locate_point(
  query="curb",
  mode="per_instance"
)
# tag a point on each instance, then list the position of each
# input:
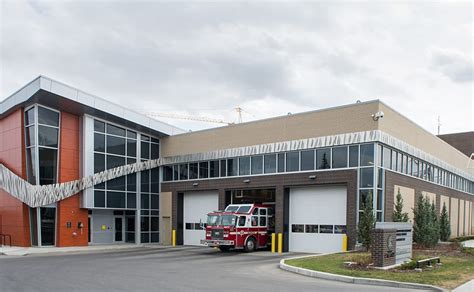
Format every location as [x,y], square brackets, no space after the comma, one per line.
[353,280]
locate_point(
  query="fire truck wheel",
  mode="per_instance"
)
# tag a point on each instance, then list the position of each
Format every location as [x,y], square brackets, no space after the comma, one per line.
[224,248]
[250,245]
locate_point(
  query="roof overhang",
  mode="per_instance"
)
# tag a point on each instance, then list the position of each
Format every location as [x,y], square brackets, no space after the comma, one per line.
[48,92]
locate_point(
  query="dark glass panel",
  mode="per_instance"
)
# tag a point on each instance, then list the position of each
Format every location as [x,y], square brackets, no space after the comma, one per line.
[354,156]
[394,161]
[257,164]
[31,165]
[379,200]
[145,138]
[145,150]
[100,186]
[154,140]
[183,171]
[99,126]
[145,224]
[364,196]
[281,162]
[326,228]
[155,202]
[48,226]
[131,160]
[48,136]
[155,151]
[387,157]
[223,170]
[292,161]
[366,177]
[340,229]
[297,228]
[232,167]
[30,136]
[367,155]
[176,172]
[154,236]
[145,237]
[117,184]
[380,178]
[270,163]
[323,158]
[131,134]
[145,201]
[311,228]
[155,224]
[99,162]
[339,157]
[114,130]
[244,165]
[204,169]
[132,182]
[145,181]
[193,171]
[115,145]
[48,162]
[131,200]
[115,200]
[307,160]
[114,161]
[99,142]
[48,117]
[99,199]
[214,168]
[155,180]
[131,148]
[167,173]
[30,117]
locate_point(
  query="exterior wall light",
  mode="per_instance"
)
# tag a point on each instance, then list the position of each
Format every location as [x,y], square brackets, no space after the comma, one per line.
[195,184]
[312,177]
[247,181]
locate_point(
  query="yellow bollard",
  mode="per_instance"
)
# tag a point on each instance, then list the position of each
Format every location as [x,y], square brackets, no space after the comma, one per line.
[344,242]
[280,242]
[273,242]
[173,238]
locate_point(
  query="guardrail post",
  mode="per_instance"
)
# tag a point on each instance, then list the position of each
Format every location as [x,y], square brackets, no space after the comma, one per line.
[344,242]
[273,242]
[280,242]
[173,238]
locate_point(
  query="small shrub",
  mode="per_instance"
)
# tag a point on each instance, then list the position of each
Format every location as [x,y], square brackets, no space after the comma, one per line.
[461,238]
[398,214]
[366,223]
[426,226]
[444,225]
[411,265]
[362,259]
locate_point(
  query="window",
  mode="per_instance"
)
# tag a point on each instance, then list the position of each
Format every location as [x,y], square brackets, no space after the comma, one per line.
[281,162]
[354,156]
[339,157]
[257,164]
[183,171]
[366,177]
[223,168]
[311,228]
[48,136]
[292,161]
[364,197]
[387,158]
[47,165]
[307,160]
[193,171]
[254,220]
[323,158]
[214,168]
[241,221]
[244,165]
[367,155]
[203,169]
[270,163]
[114,130]
[116,145]
[167,173]
[263,221]
[232,167]
[297,228]
[48,117]
[340,229]
[115,199]
[326,229]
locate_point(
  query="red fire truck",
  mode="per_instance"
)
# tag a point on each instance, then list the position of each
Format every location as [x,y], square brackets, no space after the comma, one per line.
[245,226]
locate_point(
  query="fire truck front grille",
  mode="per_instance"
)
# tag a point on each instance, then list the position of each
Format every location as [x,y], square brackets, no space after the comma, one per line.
[217,234]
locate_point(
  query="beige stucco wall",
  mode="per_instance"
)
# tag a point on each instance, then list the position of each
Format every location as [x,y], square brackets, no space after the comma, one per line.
[165,218]
[454,217]
[340,120]
[408,196]
[461,218]
[404,129]
[472,217]
[466,218]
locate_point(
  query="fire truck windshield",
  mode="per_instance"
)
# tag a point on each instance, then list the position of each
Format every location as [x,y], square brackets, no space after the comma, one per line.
[223,220]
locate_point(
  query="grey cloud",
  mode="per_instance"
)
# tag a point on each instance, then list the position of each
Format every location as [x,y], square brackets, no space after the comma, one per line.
[455,65]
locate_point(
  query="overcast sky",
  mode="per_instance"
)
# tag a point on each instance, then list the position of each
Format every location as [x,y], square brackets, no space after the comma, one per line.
[204,59]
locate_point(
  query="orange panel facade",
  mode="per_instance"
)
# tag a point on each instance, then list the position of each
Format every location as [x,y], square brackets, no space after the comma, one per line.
[14,215]
[69,213]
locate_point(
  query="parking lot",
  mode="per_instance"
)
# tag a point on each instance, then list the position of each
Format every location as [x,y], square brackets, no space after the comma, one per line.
[159,269]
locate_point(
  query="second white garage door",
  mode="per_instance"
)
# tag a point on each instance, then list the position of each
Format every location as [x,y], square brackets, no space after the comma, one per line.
[317,218]
[196,205]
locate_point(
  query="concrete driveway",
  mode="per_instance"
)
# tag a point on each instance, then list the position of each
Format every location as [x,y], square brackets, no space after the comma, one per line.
[160,269]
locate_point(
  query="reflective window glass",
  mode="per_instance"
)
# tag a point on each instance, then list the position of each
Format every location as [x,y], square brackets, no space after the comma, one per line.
[131,134]
[339,157]
[257,164]
[131,148]
[281,162]
[183,171]
[31,165]
[30,117]
[244,165]
[131,200]
[115,161]
[367,155]
[232,167]
[387,157]
[145,201]
[132,182]
[145,150]
[270,163]
[99,126]
[366,177]
[99,142]
[214,168]
[307,160]
[354,156]
[48,136]
[293,161]
[48,117]
[30,136]
[145,181]
[364,197]
[167,173]
[117,184]
[115,145]
[155,180]
[99,199]
[99,162]
[193,171]
[326,229]
[115,200]
[203,169]
[323,158]
[223,168]
[48,164]
[114,130]
[311,228]
[155,202]
[155,151]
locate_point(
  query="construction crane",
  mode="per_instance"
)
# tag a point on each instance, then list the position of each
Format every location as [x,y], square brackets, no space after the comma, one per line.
[186,117]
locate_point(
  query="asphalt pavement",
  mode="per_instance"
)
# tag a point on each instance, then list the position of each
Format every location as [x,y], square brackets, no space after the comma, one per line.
[160,269]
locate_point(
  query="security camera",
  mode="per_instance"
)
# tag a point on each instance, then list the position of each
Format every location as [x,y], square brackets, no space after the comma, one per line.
[378,115]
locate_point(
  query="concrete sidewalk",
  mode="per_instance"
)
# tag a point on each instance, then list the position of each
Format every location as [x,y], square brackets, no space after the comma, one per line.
[468,243]
[22,251]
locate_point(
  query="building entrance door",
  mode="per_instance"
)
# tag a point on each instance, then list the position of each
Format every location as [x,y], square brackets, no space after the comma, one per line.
[48,230]
[118,229]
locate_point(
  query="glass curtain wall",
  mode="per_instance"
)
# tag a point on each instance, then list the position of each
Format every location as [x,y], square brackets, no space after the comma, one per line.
[42,144]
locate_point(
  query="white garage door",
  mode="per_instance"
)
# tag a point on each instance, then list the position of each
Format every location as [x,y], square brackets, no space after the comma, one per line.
[317,218]
[196,205]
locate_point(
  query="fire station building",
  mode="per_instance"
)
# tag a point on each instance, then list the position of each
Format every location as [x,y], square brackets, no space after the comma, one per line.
[79,170]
